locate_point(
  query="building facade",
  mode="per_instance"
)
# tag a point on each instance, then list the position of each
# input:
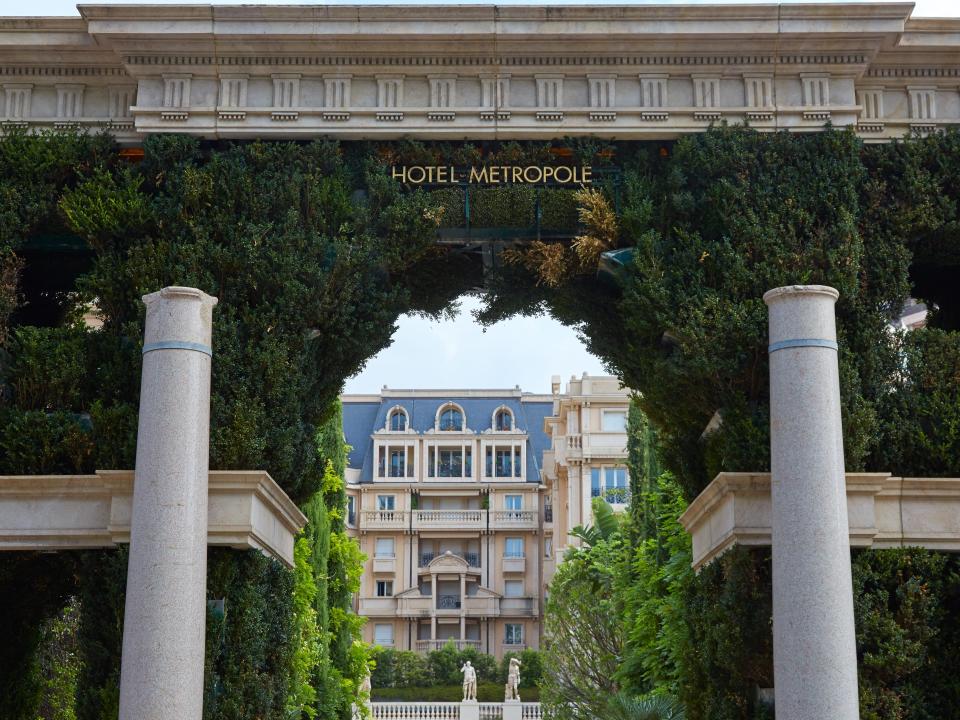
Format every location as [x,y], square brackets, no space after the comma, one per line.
[450,501]
[480,72]
[587,455]
[445,500]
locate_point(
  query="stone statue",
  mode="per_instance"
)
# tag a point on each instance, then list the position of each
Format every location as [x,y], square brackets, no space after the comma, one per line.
[513,681]
[469,681]
[365,685]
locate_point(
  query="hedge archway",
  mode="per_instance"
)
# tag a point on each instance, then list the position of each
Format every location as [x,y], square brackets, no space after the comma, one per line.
[314,251]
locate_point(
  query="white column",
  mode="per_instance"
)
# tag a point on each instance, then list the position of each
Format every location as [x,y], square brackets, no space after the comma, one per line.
[814,646]
[433,613]
[165,613]
[463,606]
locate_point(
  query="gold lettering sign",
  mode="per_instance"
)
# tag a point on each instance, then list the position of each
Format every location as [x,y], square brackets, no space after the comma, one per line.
[492,174]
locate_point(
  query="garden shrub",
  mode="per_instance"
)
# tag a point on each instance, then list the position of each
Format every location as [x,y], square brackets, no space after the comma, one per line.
[439,670]
[486,692]
[920,414]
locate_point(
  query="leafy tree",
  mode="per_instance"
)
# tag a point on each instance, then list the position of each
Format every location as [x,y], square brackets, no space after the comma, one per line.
[584,631]
[605,526]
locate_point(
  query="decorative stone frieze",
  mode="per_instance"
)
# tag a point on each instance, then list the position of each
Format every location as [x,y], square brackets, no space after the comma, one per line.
[476,71]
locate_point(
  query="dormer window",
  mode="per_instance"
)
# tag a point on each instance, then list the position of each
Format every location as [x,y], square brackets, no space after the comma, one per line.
[397,421]
[503,420]
[450,419]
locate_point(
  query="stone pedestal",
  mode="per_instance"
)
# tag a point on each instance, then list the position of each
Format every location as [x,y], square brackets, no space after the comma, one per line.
[512,710]
[469,710]
[165,613]
[814,649]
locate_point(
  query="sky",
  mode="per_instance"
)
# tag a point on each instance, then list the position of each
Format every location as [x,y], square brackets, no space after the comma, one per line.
[927,8]
[458,353]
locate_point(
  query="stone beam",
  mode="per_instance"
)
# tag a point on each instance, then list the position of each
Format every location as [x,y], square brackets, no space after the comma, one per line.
[882,511]
[246,509]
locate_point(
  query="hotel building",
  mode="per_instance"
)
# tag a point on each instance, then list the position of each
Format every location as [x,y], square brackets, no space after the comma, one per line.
[461,499]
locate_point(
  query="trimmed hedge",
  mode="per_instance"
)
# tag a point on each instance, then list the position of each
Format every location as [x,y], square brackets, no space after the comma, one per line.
[486,692]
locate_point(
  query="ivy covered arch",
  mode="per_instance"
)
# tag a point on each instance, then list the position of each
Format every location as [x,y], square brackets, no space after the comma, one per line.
[314,251]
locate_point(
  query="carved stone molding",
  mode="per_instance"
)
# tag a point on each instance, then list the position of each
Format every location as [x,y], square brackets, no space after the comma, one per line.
[631,72]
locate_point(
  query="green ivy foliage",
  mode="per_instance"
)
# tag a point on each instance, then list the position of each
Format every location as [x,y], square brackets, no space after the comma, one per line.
[310,276]
[314,251]
[920,414]
[706,637]
[906,604]
[250,649]
[34,588]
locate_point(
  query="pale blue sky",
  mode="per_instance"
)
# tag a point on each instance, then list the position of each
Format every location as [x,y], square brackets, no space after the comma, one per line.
[928,8]
[458,353]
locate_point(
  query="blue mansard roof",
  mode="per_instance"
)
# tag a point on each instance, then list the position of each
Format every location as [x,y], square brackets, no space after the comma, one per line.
[364,415]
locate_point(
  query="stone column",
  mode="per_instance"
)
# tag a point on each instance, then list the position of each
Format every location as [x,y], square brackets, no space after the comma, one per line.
[463,606]
[814,648]
[165,614]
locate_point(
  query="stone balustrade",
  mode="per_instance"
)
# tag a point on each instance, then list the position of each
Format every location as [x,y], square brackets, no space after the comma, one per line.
[453,711]
[415,711]
[384,519]
[449,519]
[514,519]
[428,645]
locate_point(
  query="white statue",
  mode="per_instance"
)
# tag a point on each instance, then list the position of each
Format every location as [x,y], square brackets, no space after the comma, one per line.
[469,681]
[513,681]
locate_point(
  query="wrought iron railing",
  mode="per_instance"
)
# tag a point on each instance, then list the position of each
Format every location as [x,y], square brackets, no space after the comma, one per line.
[448,602]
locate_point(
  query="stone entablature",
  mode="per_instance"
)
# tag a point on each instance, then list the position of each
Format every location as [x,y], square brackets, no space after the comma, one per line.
[480,71]
[246,509]
[883,512]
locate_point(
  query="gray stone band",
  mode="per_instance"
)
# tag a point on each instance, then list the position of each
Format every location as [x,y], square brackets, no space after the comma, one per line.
[177,345]
[801,342]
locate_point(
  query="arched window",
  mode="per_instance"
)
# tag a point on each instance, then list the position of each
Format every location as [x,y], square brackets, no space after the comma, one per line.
[398,420]
[503,420]
[450,419]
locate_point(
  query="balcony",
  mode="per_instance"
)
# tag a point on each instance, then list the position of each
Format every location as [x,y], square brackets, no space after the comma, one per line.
[519,606]
[606,445]
[514,520]
[384,564]
[472,558]
[449,519]
[428,645]
[411,603]
[482,605]
[514,564]
[448,602]
[384,519]
[377,606]
[613,495]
